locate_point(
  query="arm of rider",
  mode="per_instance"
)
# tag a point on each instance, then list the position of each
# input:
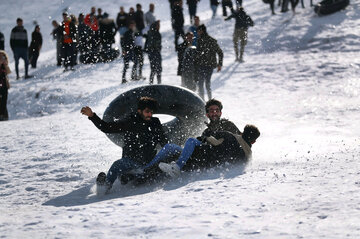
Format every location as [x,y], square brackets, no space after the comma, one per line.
[87,111]
[213,141]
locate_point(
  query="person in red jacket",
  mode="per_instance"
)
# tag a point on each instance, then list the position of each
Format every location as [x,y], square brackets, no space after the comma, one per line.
[92,21]
[68,39]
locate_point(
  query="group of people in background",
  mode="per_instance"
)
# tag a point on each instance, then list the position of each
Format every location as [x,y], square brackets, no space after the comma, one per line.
[88,38]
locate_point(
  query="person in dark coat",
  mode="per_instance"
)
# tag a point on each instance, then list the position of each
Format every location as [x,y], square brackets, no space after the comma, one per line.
[107,32]
[186,57]
[142,133]
[84,35]
[4,85]
[213,110]
[35,46]
[121,21]
[139,18]
[2,41]
[192,5]
[242,23]
[177,21]
[19,45]
[153,49]
[128,47]
[56,33]
[226,4]
[207,50]
[68,40]
[131,17]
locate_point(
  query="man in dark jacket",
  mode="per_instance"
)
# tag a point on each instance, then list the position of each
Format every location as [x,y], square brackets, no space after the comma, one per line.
[242,23]
[56,33]
[128,47]
[177,20]
[207,49]
[121,21]
[142,133]
[107,32]
[2,41]
[213,110]
[139,18]
[68,40]
[19,45]
[35,46]
[153,49]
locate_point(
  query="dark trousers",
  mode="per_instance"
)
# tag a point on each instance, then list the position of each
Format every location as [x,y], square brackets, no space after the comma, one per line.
[226,3]
[68,54]
[204,77]
[155,66]
[34,55]
[21,53]
[139,60]
[192,11]
[129,56]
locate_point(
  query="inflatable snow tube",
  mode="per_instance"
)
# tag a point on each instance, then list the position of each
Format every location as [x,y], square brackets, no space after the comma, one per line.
[183,104]
[330,6]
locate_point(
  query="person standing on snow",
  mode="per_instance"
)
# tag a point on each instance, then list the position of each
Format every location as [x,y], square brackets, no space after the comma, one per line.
[142,133]
[19,45]
[153,49]
[207,49]
[4,84]
[128,47]
[192,5]
[35,46]
[56,33]
[68,39]
[242,23]
[177,20]
[149,16]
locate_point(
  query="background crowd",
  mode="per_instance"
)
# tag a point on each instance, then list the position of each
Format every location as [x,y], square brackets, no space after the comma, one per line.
[88,38]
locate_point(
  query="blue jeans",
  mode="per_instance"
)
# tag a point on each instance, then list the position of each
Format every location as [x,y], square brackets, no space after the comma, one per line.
[120,167]
[21,52]
[170,150]
[204,76]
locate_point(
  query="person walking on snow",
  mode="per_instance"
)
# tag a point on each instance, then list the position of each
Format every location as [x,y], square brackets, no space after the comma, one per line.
[242,23]
[35,46]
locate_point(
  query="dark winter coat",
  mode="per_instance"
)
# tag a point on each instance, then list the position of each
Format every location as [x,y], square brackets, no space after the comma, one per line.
[139,20]
[84,32]
[121,20]
[188,63]
[181,50]
[153,40]
[207,155]
[2,41]
[36,42]
[140,136]
[18,38]
[130,17]
[128,41]
[207,48]
[177,17]
[242,19]
[221,125]
[107,30]
[214,2]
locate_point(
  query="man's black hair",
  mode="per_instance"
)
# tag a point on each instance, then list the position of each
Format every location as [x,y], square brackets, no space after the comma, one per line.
[213,102]
[251,133]
[19,20]
[148,102]
[202,27]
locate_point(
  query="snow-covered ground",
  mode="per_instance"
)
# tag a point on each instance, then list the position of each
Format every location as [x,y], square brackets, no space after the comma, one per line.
[299,84]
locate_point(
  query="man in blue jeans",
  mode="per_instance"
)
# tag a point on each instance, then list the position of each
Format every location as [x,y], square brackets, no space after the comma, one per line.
[142,132]
[19,45]
[213,110]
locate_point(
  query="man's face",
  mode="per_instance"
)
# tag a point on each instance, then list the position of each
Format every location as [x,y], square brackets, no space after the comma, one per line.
[214,113]
[189,38]
[146,113]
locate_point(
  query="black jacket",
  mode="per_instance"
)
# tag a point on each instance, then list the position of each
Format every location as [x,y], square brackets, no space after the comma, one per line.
[36,42]
[2,41]
[107,30]
[206,155]
[177,17]
[181,50]
[242,20]
[139,20]
[128,41]
[18,38]
[221,125]
[121,20]
[153,40]
[140,136]
[208,48]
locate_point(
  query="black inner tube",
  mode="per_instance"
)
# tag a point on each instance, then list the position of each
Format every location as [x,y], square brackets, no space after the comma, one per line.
[187,108]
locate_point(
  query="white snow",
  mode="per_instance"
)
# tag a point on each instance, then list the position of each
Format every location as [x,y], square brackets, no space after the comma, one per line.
[299,84]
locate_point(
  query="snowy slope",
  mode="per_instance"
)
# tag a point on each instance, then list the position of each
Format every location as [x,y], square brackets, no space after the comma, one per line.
[299,85]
